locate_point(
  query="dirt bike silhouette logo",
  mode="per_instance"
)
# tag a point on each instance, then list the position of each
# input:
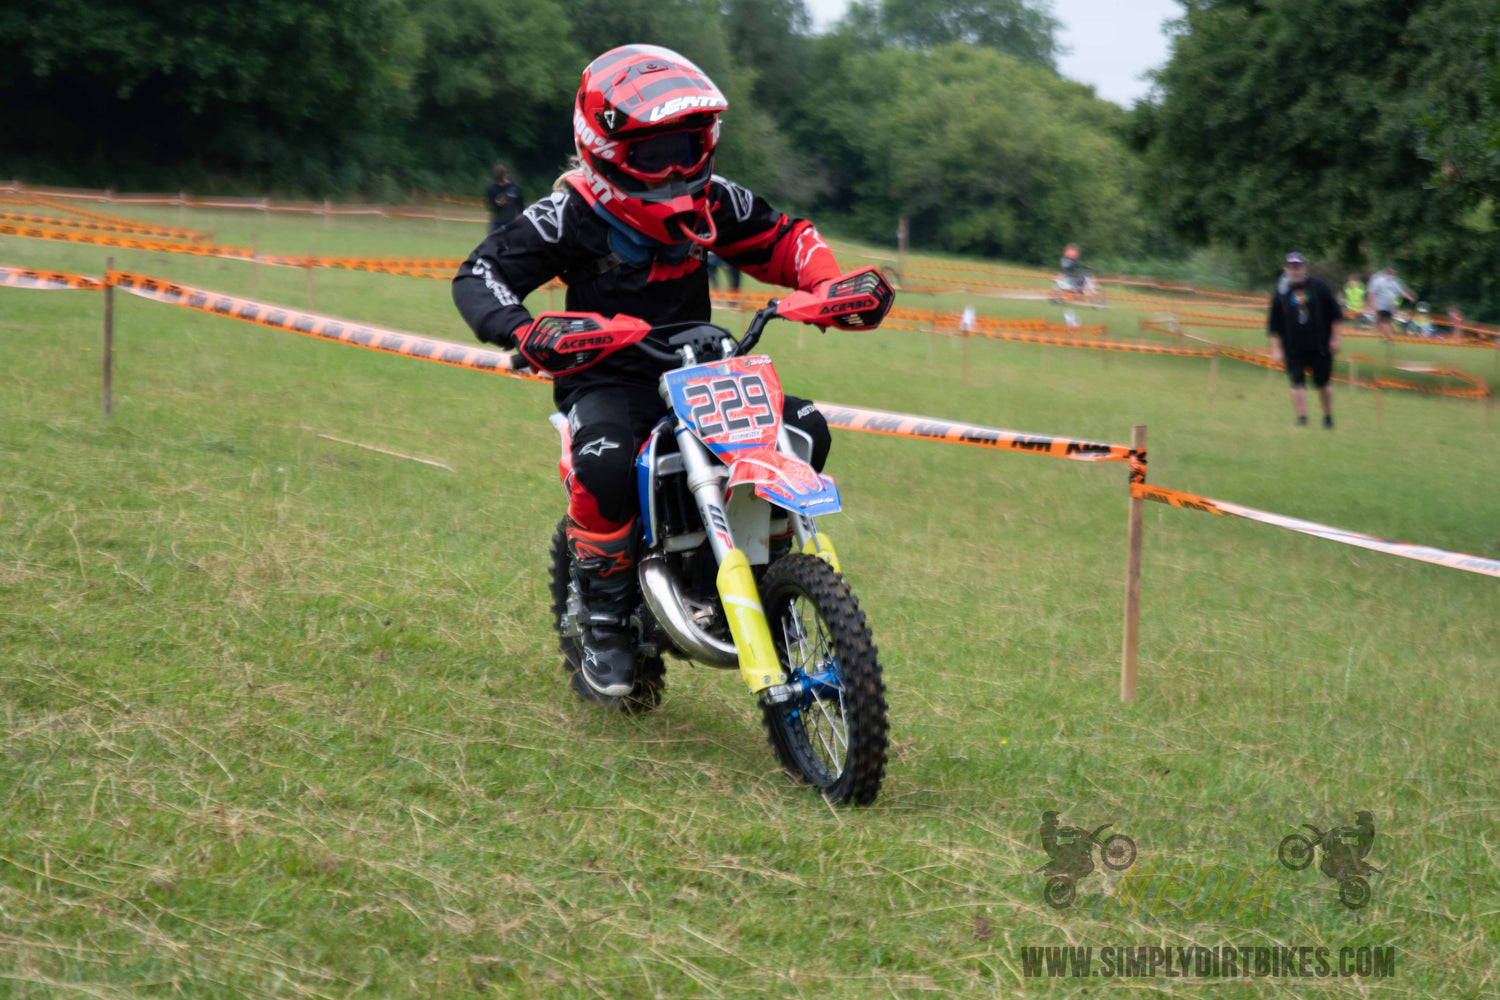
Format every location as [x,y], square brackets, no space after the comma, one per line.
[1344,850]
[1070,850]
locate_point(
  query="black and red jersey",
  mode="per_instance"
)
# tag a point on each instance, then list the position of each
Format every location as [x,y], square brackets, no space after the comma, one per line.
[563,236]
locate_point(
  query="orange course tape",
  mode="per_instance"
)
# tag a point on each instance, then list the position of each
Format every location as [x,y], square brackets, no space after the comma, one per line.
[1422,553]
[856,418]
[127,242]
[102,227]
[143,227]
[307,324]
[18,277]
[425,267]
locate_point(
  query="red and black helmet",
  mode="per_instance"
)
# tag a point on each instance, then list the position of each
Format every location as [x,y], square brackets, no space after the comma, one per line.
[646,123]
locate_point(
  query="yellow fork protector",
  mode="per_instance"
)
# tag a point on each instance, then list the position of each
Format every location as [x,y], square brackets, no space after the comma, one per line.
[747,623]
[819,545]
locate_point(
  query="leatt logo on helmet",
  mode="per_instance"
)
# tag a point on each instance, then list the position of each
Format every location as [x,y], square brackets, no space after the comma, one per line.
[677,104]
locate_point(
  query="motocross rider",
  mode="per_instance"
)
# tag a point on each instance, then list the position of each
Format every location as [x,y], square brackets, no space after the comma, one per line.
[628,231]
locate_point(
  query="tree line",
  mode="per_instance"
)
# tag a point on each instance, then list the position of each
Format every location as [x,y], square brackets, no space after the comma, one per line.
[1359,131]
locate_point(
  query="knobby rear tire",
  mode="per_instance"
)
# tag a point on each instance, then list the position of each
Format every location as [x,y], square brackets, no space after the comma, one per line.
[863,710]
[650,671]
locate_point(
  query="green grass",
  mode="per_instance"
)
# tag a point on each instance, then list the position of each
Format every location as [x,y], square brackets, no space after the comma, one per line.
[283,717]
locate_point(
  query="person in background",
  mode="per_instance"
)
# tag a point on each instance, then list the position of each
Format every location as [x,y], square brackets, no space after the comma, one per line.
[1455,322]
[503,197]
[1385,290]
[1073,272]
[1303,326]
[1354,297]
[966,321]
[716,265]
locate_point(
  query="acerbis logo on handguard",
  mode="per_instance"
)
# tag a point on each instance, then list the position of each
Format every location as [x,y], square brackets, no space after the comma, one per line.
[583,342]
[853,305]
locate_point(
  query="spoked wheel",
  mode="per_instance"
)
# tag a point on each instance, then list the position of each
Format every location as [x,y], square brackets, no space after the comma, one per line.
[1354,892]
[833,732]
[1295,851]
[1117,853]
[1059,892]
[650,671]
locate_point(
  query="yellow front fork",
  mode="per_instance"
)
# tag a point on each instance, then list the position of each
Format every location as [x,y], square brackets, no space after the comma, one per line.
[819,545]
[759,665]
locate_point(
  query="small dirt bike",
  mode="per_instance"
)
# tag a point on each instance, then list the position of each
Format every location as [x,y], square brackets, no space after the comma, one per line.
[1074,861]
[1341,860]
[1079,289]
[718,478]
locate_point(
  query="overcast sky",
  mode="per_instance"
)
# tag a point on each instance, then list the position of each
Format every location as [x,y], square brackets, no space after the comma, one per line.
[1112,42]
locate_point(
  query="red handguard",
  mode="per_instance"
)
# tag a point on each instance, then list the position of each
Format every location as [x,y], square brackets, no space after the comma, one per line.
[564,343]
[858,300]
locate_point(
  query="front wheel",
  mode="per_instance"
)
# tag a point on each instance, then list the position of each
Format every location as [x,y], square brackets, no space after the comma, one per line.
[1295,852]
[1117,853]
[832,731]
[650,672]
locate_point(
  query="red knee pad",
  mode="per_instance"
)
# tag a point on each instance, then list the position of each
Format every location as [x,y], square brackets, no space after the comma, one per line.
[584,510]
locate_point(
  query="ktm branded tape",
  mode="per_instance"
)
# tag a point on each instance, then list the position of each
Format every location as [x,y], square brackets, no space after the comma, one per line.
[18,277]
[441,268]
[1424,341]
[421,268]
[127,242]
[101,227]
[1422,553]
[407,345]
[854,418]
[144,228]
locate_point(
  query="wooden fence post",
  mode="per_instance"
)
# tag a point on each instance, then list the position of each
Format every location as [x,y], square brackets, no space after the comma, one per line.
[1132,581]
[109,337]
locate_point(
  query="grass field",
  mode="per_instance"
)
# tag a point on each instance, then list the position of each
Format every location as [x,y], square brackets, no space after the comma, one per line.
[283,717]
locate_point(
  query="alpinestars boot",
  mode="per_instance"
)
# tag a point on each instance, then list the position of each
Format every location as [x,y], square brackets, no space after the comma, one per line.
[604,569]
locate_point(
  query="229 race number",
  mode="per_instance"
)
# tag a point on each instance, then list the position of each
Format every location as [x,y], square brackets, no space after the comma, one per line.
[729,403]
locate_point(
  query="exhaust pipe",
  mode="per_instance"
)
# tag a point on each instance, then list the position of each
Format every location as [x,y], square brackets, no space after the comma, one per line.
[660,591]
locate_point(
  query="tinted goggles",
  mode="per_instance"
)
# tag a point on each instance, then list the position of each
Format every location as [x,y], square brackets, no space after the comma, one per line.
[655,157]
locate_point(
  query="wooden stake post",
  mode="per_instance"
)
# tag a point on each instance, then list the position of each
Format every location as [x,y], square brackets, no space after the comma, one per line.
[1132,582]
[109,339]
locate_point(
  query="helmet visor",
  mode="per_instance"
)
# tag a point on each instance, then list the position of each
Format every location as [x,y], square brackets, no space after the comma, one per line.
[655,157]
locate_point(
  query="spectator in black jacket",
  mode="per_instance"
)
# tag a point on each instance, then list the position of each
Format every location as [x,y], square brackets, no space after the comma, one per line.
[503,197]
[1303,326]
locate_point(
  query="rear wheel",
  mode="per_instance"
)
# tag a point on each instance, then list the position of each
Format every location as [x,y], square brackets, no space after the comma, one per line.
[832,732]
[650,671]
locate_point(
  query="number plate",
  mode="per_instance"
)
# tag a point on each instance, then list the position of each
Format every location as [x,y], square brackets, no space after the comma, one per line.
[732,405]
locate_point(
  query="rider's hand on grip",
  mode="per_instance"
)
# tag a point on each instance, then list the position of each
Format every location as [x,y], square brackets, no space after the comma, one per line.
[563,343]
[858,300]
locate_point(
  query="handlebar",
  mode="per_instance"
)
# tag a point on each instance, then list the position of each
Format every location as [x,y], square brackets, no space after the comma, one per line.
[563,343]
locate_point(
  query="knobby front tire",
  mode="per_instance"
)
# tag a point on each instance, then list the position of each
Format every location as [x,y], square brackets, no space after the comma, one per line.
[650,671]
[835,736]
